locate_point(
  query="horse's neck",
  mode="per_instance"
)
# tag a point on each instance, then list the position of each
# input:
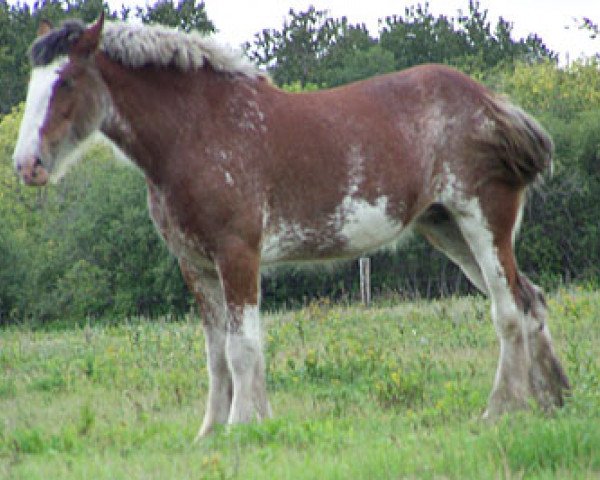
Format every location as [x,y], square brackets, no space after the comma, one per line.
[149,107]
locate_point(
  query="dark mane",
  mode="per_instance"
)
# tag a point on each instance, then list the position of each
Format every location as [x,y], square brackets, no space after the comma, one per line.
[55,43]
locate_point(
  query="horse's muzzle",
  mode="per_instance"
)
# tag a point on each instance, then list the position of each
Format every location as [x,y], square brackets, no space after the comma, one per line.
[33,172]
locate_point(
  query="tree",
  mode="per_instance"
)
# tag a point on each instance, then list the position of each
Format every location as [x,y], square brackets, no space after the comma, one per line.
[313,48]
[418,37]
[188,15]
[293,53]
[467,42]
[16,33]
[352,55]
[106,257]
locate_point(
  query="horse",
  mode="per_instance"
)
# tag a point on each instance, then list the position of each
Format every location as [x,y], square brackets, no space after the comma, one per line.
[241,175]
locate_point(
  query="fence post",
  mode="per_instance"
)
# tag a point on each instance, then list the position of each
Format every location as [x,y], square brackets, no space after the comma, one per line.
[365,280]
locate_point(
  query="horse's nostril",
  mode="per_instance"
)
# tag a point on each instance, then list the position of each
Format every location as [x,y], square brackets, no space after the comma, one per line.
[38,162]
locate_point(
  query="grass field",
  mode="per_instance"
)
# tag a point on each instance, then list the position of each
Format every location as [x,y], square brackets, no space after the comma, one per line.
[393,391]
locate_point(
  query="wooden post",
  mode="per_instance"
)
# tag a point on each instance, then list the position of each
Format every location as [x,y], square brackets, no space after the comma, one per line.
[365,280]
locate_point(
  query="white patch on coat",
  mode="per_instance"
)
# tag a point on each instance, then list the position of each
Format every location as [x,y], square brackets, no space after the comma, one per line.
[252,118]
[181,244]
[519,219]
[255,107]
[356,169]
[511,380]
[113,120]
[283,240]
[187,246]
[251,323]
[39,93]
[212,294]
[450,189]
[475,228]
[366,226]
[246,364]
[363,225]
[436,123]
[229,179]
[274,244]
[358,224]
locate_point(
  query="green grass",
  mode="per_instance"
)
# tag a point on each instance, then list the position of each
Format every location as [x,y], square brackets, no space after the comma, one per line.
[394,391]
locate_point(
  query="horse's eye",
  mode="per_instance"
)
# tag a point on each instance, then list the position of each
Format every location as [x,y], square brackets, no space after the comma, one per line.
[66,83]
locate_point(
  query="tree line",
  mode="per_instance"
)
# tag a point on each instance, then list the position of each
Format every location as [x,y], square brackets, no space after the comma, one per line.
[86,247]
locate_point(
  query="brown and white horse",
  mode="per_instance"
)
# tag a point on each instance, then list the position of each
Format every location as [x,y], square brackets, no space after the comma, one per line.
[241,174]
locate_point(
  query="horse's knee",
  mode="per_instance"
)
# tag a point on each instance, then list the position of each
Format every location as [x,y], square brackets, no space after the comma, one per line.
[243,354]
[244,347]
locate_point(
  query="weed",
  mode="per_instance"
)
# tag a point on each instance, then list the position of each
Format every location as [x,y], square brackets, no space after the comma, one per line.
[53,382]
[400,389]
[87,418]
[27,441]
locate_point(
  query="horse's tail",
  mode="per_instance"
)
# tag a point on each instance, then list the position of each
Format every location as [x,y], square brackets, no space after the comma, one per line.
[515,145]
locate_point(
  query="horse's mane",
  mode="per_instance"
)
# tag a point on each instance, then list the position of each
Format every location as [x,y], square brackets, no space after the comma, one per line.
[137,46]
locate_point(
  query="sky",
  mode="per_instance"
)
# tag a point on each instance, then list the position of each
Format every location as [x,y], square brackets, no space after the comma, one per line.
[238,20]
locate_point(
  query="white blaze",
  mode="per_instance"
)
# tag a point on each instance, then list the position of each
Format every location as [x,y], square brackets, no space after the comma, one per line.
[39,93]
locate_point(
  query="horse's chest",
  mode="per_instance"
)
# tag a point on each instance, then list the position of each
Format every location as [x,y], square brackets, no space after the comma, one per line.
[181,241]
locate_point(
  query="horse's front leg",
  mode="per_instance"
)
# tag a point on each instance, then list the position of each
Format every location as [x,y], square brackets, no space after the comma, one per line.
[206,287]
[220,389]
[238,266]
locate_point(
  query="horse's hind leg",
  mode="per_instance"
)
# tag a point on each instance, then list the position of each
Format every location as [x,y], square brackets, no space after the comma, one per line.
[527,365]
[477,258]
[441,230]
[206,287]
[546,375]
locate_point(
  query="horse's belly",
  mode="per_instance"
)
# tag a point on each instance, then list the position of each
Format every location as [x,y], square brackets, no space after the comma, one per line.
[356,226]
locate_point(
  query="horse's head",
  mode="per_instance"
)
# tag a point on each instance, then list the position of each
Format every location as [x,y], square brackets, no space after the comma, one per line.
[66,100]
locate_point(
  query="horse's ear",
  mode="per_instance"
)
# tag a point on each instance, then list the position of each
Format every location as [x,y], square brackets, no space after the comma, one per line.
[44,27]
[89,40]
